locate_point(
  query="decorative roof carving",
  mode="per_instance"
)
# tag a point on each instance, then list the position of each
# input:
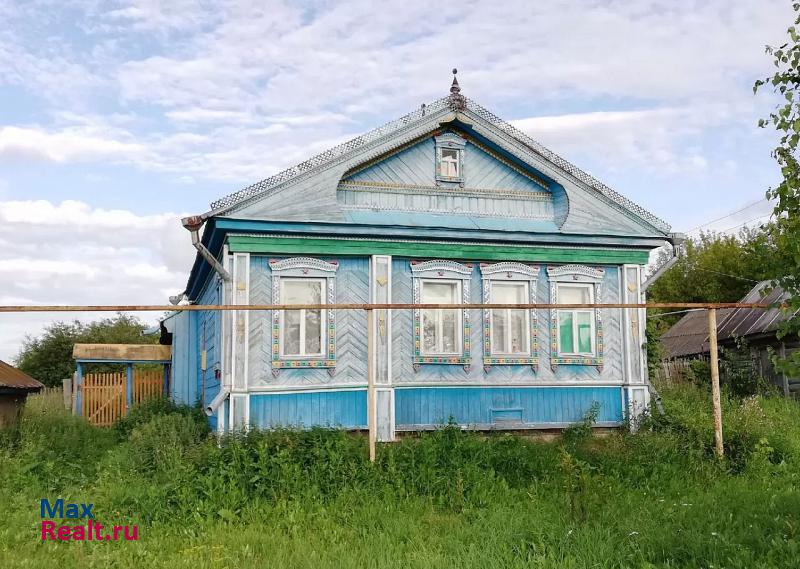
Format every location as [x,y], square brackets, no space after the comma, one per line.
[452,102]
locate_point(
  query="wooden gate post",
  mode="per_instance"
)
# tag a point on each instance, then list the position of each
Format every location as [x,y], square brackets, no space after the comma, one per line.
[715,395]
[371,407]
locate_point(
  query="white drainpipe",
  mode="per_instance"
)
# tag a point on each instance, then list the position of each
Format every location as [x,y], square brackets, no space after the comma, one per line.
[193,225]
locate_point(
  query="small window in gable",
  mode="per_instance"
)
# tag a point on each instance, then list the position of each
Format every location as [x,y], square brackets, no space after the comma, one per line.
[450,158]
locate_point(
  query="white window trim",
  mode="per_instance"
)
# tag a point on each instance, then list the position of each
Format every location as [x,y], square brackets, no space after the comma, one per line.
[573,275]
[507,352]
[323,320]
[575,311]
[439,320]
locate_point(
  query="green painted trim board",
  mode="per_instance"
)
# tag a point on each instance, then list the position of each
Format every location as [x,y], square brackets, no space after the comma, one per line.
[466,251]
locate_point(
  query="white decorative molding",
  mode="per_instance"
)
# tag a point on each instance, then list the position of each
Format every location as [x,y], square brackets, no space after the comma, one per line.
[580,274]
[511,269]
[303,266]
[439,269]
[311,268]
[575,273]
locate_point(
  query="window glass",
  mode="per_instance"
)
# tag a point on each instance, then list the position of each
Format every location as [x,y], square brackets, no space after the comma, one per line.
[302,330]
[440,327]
[576,326]
[449,162]
[509,333]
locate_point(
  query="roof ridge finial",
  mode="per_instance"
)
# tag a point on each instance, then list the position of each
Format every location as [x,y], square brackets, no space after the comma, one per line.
[455,89]
[458,102]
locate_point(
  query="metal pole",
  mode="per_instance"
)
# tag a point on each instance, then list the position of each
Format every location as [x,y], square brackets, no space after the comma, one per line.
[715,396]
[371,416]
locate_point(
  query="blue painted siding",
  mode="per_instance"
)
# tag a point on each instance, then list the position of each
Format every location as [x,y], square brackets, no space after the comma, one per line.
[209,336]
[403,340]
[183,387]
[345,409]
[352,286]
[429,406]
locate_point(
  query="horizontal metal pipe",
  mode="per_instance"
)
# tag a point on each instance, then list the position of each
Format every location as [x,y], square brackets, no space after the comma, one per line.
[392,306]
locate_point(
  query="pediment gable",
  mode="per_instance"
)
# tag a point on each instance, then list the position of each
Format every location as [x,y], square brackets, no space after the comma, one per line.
[394,168]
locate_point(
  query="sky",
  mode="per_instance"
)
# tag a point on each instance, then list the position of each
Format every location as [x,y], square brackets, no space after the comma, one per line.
[117,118]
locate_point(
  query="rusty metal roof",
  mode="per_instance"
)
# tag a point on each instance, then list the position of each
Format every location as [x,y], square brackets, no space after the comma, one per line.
[744,322]
[689,336]
[12,378]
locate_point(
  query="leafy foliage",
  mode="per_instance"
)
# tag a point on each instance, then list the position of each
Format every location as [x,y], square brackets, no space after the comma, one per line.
[716,268]
[785,118]
[48,357]
[445,498]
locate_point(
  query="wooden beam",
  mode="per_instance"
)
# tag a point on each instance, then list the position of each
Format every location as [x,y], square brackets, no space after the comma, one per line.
[122,352]
[371,407]
[715,392]
[350,306]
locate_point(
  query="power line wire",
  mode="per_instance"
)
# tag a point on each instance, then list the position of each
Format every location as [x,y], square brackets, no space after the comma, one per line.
[745,223]
[748,206]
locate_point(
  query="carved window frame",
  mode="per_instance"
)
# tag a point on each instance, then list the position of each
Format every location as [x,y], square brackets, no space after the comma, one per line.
[297,268]
[510,272]
[450,141]
[576,274]
[449,271]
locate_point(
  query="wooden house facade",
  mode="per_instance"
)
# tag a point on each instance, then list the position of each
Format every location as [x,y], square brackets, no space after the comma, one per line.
[448,204]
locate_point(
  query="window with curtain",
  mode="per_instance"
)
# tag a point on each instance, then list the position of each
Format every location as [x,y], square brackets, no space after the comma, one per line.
[510,327]
[576,327]
[449,162]
[302,331]
[441,327]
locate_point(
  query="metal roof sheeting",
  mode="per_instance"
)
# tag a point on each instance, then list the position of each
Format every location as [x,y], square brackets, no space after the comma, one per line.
[689,336]
[11,377]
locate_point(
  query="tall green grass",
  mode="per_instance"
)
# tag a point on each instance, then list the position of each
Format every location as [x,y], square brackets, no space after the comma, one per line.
[658,498]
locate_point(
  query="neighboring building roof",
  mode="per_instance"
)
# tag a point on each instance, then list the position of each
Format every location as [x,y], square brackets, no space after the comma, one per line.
[454,102]
[122,352]
[749,322]
[12,378]
[689,336]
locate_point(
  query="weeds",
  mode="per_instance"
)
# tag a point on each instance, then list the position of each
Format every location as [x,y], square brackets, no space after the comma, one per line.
[656,498]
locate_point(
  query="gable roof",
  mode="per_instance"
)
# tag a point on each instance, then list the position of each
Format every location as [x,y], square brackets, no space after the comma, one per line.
[457,103]
[12,378]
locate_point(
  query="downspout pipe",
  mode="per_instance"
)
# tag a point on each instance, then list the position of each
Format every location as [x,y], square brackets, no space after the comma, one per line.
[193,225]
[676,240]
[217,401]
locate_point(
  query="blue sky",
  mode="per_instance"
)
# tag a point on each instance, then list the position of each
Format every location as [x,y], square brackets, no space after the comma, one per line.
[116,118]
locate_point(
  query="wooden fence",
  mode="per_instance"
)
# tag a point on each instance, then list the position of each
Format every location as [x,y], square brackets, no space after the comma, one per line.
[105,397]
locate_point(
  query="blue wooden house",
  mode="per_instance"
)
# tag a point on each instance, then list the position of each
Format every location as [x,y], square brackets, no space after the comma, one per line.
[448,204]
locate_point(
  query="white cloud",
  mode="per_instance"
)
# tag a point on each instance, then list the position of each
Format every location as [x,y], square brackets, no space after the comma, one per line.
[72,253]
[67,145]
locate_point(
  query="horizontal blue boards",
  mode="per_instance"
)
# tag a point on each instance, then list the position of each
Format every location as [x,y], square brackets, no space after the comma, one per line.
[505,407]
[342,409]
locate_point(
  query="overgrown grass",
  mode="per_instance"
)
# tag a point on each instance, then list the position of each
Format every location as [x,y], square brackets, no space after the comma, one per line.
[658,498]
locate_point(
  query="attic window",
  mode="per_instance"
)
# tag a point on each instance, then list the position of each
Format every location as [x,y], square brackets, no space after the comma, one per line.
[449,163]
[450,158]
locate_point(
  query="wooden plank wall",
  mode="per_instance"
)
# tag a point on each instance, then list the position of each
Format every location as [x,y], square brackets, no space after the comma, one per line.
[105,394]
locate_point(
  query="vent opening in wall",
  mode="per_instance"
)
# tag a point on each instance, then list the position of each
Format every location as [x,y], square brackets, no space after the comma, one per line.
[507,415]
